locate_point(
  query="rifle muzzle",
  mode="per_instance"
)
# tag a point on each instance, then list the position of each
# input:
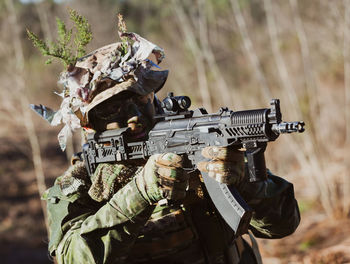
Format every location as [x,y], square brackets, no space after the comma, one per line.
[289,127]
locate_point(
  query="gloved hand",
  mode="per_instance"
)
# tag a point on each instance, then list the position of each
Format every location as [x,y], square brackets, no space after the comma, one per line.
[226,165]
[162,177]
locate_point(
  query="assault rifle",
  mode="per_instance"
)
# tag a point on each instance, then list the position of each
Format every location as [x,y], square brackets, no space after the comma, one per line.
[187,132]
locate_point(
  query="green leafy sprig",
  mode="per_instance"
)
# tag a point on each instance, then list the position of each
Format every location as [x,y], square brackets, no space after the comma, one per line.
[84,35]
[63,48]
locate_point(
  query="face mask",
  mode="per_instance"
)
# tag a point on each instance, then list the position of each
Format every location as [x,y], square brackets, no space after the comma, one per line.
[143,121]
[120,111]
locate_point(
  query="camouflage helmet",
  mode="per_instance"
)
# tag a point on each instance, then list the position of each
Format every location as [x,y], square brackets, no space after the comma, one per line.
[136,76]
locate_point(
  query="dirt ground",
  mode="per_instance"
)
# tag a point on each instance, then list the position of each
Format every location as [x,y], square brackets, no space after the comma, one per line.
[23,237]
[317,240]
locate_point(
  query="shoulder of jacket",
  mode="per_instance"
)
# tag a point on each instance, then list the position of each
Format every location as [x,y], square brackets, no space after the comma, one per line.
[70,185]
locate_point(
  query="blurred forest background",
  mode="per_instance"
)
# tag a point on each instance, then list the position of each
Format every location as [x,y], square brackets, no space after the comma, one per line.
[235,53]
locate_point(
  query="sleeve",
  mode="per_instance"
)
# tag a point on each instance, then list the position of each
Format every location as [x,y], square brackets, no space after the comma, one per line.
[107,235]
[275,209]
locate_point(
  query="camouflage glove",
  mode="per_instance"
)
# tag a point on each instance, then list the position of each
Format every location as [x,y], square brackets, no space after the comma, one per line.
[162,177]
[226,165]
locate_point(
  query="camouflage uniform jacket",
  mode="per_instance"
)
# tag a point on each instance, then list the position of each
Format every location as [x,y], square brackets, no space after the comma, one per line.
[87,224]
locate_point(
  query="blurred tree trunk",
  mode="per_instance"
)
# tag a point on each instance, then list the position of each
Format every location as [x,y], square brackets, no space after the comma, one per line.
[311,86]
[315,165]
[185,27]
[249,50]
[227,97]
[346,186]
[327,190]
[43,10]
[19,89]
[284,79]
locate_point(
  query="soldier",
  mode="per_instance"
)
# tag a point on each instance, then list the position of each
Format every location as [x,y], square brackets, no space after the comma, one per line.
[120,214]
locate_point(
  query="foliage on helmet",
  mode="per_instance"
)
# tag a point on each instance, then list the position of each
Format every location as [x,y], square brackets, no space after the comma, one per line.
[66,49]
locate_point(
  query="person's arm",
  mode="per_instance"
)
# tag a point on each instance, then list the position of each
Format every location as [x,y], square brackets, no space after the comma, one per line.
[107,235]
[275,210]
[90,236]
[276,213]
